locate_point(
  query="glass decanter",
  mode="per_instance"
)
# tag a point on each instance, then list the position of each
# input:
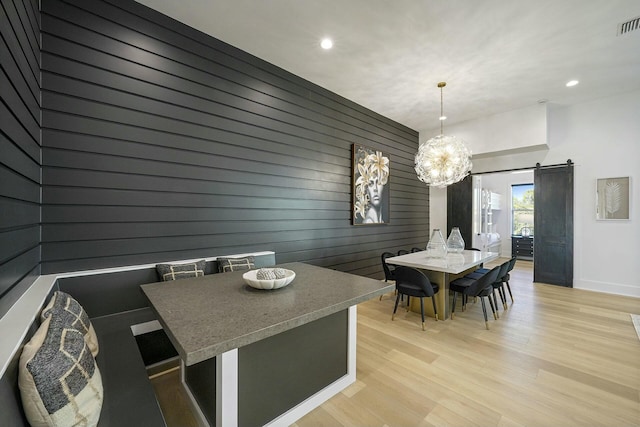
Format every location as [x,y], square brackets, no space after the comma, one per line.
[455,242]
[437,247]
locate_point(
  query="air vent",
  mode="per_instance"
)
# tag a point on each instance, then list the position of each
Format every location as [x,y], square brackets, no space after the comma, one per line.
[631,25]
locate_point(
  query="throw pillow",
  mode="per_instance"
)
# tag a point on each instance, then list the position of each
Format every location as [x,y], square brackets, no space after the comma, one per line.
[181,271]
[68,309]
[59,380]
[235,264]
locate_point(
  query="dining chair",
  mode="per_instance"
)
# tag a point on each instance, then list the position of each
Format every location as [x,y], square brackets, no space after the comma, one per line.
[506,277]
[416,250]
[477,250]
[504,280]
[402,252]
[389,272]
[481,287]
[497,285]
[414,283]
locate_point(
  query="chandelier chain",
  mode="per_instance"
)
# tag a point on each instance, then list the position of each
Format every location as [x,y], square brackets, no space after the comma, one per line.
[441,110]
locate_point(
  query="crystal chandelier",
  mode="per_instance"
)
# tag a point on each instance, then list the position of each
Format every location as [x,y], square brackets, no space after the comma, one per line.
[442,160]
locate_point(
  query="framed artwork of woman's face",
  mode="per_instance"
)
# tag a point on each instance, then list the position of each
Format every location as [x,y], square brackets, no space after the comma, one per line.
[370,186]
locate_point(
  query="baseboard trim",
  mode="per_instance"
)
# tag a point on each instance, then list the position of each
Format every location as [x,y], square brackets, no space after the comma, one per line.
[608,288]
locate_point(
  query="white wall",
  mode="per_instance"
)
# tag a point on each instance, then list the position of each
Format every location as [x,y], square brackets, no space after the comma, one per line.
[602,138]
[438,209]
[522,129]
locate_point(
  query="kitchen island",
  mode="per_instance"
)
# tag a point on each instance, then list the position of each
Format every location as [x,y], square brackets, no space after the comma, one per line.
[263,357]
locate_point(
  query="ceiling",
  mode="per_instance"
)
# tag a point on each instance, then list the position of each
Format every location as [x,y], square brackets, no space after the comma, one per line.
[389,55]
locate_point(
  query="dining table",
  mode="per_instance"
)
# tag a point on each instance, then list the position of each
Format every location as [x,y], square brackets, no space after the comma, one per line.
[256,357]
[442,270]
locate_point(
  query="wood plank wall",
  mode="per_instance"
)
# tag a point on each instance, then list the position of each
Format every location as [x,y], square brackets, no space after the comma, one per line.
[160,142]
[19,148]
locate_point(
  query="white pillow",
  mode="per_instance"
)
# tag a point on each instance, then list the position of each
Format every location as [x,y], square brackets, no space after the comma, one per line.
[59,380]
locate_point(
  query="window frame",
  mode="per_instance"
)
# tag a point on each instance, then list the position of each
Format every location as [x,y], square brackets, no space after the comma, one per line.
[529,186]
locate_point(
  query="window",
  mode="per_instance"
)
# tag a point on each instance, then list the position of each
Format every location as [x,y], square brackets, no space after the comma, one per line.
[522,209]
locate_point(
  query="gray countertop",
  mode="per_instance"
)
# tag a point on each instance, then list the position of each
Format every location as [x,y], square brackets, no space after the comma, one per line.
[206,316]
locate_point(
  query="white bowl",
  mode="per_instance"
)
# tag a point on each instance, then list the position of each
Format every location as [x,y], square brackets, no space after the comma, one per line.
[250,279]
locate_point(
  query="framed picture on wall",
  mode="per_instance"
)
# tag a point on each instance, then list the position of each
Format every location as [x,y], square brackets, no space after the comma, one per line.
[612,198]
[370,186]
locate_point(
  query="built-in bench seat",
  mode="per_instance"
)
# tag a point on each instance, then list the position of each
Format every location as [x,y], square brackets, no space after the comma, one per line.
[129,399]
[115,304]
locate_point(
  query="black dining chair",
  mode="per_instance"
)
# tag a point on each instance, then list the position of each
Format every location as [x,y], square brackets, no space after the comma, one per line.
[477,250]
[402,252]
[416,250]
[506,277]
[497,285]
[481,287]
[414,283]
[504,280]
[389,271]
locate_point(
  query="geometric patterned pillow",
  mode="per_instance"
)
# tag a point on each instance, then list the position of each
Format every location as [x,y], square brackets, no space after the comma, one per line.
[59,380]
[68,309]
[235,264]
[181,271]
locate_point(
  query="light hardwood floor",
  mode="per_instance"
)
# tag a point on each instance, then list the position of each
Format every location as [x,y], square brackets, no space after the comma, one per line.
[172,399]
[556,357]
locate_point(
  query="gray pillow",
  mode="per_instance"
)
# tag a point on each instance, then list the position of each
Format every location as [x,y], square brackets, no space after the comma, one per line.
[169,272]
[59,381]
[71,314]
[226,264]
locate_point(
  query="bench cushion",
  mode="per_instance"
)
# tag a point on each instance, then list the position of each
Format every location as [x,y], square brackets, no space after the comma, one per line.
[129,399]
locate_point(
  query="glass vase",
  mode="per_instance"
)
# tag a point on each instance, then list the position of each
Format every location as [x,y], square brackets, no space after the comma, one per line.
[437,247]
[455,242]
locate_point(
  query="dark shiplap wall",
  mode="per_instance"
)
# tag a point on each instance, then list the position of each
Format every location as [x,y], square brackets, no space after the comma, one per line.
[160,142]
[19,148]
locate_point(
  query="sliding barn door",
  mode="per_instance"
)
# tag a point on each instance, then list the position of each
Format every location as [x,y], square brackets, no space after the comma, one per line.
[553,225]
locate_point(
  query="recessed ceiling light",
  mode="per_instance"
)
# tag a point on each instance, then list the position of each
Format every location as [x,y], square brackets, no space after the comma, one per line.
[326,43]
[443,117]
[571,83]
